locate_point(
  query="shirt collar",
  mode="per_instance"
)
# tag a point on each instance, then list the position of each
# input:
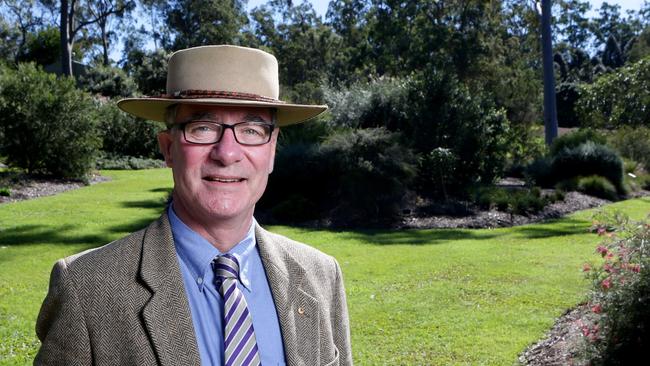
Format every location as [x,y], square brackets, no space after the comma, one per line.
[198,253]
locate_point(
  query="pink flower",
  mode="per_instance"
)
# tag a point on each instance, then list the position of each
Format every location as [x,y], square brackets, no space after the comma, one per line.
[607,283]
[602,250]
[601,231]
[636,268]
[607,267]
[597,309]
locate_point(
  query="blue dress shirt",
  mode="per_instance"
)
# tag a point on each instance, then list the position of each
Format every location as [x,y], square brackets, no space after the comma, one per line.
[206,304]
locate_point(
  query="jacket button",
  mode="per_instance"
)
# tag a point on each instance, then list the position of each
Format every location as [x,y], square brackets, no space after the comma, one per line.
[301,311]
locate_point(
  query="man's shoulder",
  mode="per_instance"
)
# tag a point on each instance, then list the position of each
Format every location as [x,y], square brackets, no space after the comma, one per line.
[123,252]
[306,255]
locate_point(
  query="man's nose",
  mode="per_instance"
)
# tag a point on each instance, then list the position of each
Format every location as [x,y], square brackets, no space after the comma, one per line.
[227,151]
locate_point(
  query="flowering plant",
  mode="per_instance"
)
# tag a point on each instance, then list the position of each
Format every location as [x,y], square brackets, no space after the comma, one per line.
[618,324]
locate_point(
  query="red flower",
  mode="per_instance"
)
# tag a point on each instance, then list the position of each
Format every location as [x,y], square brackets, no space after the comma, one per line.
[607,283]
[602,250]
[597,309]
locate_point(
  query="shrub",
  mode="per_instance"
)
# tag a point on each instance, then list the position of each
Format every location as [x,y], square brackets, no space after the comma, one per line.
[48,125]
[518,202]
[371,170]
[589,159]
[540,172]
[125,135]
[107,81]
[597,186]
[617,331]
[575,139]
[116,162]
[5,192]
[299,185]
[616,99]
[381,102]
[633,143]
[436,172]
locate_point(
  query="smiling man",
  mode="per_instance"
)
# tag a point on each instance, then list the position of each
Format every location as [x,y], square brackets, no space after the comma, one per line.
[204,284]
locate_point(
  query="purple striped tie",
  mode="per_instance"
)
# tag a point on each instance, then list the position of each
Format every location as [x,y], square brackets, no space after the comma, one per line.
[239,337]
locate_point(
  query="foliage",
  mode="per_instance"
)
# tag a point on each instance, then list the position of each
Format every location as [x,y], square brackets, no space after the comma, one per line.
[378,103]
[371,170]
[576,138]
[43,47]
[445,114]
[618,99]
[616,331]
[567,95]
[203,22]
[107,81]
[149,70]
[633,143]
[5,192]
[48,125]
[518,201]
[436,171]
[589,159]
[597,186]
[125,135]
[116,162]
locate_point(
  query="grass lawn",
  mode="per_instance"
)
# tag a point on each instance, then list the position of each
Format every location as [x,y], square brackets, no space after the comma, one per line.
[443,297]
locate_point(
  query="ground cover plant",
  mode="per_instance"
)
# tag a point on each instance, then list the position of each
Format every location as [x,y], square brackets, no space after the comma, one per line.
[443,297]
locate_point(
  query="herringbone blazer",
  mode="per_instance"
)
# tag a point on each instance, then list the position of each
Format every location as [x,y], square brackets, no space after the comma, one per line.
[125,304]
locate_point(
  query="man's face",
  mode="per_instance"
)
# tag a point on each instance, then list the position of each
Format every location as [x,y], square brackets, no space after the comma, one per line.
[221,181]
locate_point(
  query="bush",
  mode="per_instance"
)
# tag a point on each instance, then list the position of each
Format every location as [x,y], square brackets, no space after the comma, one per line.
[116,162]
[518,202]
[589,159]
[540,172]
[371,171]
[575,139]
[107,81]
[597,186]
[617,331]
[436,170]
[299,185]
[633,143]
[617,99]
[125,135]
[48,125]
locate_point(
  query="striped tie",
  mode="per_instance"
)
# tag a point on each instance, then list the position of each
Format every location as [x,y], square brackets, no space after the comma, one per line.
[239,337]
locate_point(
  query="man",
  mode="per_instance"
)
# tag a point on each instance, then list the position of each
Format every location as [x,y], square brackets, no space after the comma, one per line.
[204,284]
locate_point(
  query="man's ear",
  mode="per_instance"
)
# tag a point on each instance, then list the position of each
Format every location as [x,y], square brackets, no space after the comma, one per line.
[274,140]
[165,146]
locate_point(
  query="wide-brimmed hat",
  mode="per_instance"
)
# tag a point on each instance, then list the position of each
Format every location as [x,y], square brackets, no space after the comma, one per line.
[221,75]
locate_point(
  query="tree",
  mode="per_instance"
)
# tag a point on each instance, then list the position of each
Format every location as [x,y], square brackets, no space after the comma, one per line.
[203,22]
[573,24]
[75,16]
[102,10]
[25,22]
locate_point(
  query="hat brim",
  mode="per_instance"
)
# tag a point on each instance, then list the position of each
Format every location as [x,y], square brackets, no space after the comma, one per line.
[154,108]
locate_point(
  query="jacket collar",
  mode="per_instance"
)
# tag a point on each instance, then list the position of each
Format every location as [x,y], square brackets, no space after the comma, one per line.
[296,304]
[167,317]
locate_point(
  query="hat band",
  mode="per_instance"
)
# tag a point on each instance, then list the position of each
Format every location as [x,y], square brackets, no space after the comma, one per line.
[197,94]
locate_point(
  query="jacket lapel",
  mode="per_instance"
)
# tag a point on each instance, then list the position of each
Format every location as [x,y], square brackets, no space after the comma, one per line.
[166,315]
[297,308]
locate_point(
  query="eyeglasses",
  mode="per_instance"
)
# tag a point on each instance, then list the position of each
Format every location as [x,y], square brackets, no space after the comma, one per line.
[209,132]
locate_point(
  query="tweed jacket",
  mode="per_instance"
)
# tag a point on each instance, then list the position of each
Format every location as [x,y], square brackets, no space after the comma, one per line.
[125,304]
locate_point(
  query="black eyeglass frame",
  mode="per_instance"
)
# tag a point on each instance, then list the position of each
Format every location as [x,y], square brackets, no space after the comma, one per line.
[224,127]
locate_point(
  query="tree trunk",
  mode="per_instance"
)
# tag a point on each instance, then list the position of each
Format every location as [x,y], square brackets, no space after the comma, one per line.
[66,49]
[550,109]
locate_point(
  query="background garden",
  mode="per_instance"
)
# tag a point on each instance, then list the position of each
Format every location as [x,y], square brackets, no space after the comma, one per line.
[432,103]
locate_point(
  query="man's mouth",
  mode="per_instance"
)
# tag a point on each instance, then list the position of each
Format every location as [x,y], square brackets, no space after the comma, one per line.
[223,179]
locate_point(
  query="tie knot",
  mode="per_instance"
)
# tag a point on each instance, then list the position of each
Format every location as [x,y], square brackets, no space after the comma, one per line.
[225,266]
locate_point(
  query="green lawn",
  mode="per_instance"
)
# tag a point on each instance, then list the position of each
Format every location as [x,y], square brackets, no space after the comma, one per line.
[443,297]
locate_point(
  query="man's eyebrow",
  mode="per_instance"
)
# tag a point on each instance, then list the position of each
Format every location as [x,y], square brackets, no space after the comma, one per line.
[253,118]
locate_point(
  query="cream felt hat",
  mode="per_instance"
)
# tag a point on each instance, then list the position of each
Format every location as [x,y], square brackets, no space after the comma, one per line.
[221,75]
